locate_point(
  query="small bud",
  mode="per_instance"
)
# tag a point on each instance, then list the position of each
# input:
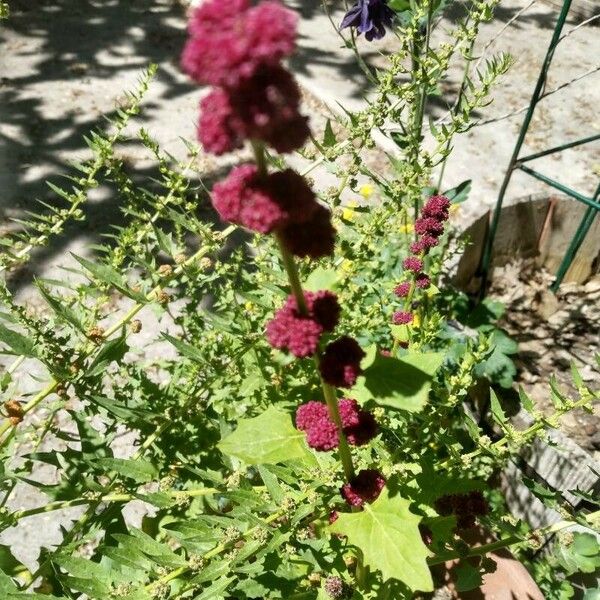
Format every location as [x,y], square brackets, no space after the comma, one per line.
[163,297]
[180,258]
[314,579]
[205,263]
[165,270]
[96,334]
[61,391]
[136,326]
[336,588]
[14,410]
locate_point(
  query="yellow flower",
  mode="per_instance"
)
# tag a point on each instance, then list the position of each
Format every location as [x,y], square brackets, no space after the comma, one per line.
[347,265]
[416,322]
[248,306]
[454,208]
[366,191]
[409,228]
[348,213]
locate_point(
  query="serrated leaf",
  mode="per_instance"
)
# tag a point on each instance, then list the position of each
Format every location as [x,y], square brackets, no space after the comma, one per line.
[496,408]
[216,589]
[526,401]
[460,193]
[16,342]
[139,470]
[112,350]
[185,349]
[329,138]
[273,486]
[388,535]
[401,383]
[64,312]
[267,439]
[110,276]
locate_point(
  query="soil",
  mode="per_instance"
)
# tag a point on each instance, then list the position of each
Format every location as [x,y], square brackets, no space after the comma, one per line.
[553,332]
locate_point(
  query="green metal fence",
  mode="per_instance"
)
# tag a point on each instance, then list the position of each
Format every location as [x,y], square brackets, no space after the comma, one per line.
[518,162]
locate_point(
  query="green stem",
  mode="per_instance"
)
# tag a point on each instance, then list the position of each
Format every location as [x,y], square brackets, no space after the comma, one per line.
[106,499]
[294,279]
[334,413]
[506,542]
[525,435]
[293,276]
[454,110]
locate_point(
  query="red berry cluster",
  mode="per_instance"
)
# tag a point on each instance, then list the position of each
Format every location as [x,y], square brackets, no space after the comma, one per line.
[429,226]
[238,49]
[359,426]
[300,334]
[365,487]
[466,508]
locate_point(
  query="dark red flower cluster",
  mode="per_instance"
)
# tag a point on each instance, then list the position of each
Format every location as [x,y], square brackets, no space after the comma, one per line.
[365,487]
[263,203]
[300,334]
[429,226]
[340,363]
[358,425]
[238,48]
[466,508]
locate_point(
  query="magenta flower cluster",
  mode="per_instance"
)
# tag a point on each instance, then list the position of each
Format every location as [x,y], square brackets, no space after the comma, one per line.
[364,487]
[300,334]
[359,426]
[237,48]
[428,227]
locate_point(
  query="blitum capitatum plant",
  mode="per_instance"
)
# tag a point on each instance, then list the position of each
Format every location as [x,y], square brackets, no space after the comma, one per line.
[301,429]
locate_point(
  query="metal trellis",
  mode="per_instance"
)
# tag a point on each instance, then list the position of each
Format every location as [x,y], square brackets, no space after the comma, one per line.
[517,162]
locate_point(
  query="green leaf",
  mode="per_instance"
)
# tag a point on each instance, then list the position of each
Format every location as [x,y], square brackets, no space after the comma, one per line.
[401,383]
[110,276]
[6,584]
[138,470]
[399,5]
[460,193]
[216,589]
[16,342]
[113,350]
[526,401]
[185,349]
[64,312]
[267,439]
[321,279]
[496,408]
[388,535]
[273,486]
[329,138]
[468,577]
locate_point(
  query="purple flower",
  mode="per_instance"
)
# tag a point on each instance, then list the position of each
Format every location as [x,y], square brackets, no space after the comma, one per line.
[370,17]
